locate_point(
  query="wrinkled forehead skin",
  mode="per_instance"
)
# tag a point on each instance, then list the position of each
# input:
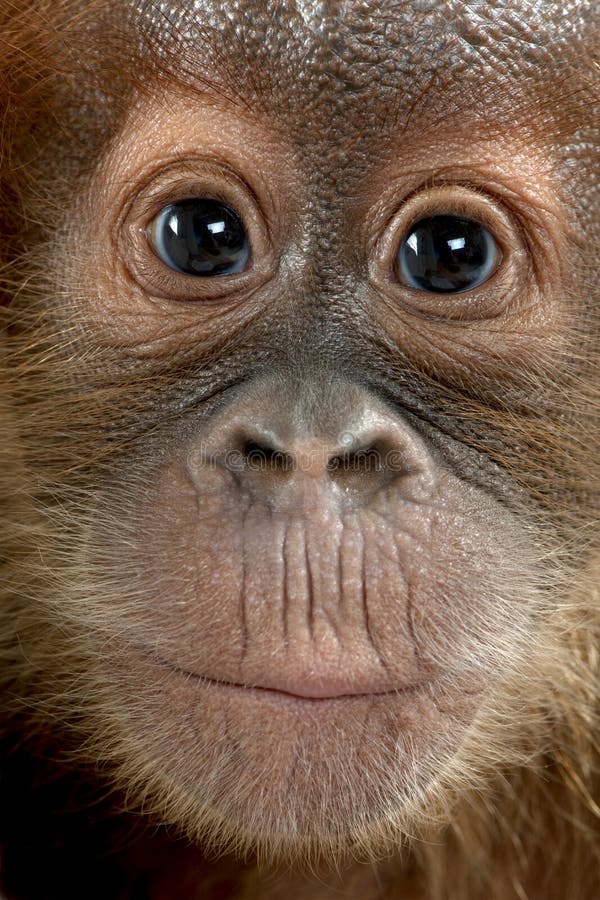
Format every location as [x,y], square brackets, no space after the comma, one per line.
[323,60]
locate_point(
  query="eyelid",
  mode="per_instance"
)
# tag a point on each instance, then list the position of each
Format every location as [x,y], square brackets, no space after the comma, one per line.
[179,180]
[394,216]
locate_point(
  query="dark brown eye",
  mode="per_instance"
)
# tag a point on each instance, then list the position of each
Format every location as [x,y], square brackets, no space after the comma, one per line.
[200,237]
[447,255]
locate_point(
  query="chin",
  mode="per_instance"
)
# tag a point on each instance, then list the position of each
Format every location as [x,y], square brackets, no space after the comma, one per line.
[246,769]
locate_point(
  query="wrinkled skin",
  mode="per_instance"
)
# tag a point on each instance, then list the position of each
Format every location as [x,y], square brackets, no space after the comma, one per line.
[310,569]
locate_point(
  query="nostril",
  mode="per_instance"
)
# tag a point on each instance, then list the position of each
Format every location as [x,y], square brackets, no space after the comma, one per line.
[262,456]
[362,461]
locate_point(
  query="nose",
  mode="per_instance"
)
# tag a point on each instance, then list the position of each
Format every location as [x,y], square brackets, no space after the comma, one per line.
[348,442]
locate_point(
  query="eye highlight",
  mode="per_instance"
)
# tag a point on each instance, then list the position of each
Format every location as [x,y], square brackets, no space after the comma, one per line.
[447,255]
[200,237]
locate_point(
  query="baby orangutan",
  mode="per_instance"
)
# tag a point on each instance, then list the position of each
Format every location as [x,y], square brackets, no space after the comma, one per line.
[299,460]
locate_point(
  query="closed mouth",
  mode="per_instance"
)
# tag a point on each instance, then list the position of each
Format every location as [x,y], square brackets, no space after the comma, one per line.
[313,695]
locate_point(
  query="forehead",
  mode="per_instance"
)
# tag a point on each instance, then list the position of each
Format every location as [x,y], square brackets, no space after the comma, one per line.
[400,23]
[315,65]
[408,42]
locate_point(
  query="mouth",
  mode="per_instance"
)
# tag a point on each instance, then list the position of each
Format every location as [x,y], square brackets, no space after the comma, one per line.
[326,690]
